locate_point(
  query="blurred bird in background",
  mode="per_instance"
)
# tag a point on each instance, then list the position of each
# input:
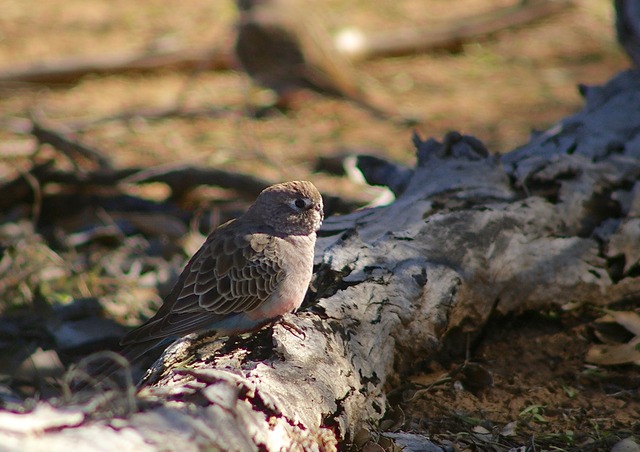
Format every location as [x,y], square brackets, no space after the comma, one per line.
[282,46]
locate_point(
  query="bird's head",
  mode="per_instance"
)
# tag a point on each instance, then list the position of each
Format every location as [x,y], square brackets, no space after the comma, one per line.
[293,208]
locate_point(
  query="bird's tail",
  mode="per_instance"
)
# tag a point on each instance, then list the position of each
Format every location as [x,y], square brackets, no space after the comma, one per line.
[106,370]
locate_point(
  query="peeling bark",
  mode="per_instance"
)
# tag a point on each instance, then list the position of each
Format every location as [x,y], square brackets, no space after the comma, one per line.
[555,222]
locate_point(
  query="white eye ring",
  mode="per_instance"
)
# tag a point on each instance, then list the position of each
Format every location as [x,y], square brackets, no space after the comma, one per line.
[300,204]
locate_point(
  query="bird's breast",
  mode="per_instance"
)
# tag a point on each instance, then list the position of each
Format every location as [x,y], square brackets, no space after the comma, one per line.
[297,262]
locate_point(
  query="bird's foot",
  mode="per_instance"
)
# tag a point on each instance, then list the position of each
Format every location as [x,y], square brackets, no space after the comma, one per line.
[290,327]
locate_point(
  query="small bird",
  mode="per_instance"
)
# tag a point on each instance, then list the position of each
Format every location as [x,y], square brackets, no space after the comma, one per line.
[248,272]
[281,45]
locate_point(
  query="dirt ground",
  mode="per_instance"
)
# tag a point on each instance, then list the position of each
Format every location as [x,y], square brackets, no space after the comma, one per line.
[543,395]
[527,384]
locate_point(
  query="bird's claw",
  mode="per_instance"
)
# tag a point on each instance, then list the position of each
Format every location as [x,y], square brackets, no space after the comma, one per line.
[293,329]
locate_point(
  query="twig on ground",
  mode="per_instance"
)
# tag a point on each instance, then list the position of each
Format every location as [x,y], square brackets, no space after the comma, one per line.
[71,69]
[66,143]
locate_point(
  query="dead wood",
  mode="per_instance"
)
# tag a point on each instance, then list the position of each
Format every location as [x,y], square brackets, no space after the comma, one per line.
[555,222]
[99,171]
[181,180]
[71,69]
[628,28]
[449,37]
[65,142]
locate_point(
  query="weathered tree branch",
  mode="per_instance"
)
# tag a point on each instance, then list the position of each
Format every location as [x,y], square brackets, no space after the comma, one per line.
[180,179]
[449,37]
[554,222]
[66,143]
[67,70]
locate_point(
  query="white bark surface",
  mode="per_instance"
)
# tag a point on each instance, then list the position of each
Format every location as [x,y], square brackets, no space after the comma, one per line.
[555,222]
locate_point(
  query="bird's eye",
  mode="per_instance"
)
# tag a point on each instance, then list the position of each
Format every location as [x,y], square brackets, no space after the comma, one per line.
[299,204]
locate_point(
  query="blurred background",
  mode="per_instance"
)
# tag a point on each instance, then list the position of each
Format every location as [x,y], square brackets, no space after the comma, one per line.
[495,87]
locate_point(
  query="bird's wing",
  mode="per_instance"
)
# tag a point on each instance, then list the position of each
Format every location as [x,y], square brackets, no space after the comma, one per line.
[230,273]
[234,273]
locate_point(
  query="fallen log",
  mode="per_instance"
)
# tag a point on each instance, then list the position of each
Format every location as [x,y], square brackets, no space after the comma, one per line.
[553,223]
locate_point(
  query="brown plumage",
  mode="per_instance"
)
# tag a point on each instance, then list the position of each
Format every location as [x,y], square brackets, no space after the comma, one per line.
[285,49]
[248,271]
